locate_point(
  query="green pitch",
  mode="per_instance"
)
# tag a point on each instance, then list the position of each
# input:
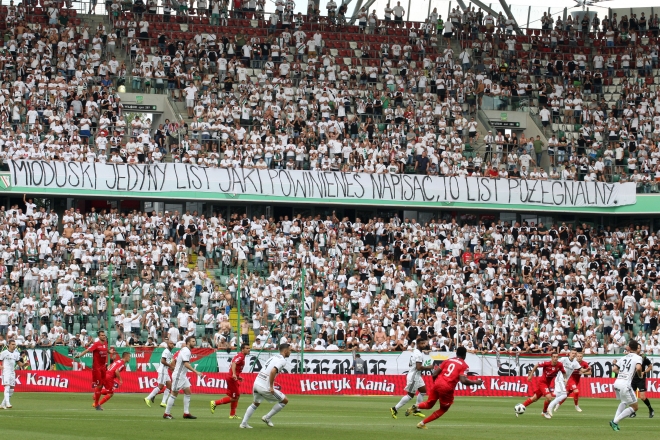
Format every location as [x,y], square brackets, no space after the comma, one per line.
[70,416]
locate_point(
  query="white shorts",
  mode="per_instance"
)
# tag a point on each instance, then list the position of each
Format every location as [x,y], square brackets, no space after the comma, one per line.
[414,385]
[9,380]
[163,378]
[626,395]
[261,393]
[180,383]
[190,102]
[560,387]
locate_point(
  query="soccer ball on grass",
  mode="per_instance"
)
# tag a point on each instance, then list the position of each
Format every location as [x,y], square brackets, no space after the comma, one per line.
[520,409]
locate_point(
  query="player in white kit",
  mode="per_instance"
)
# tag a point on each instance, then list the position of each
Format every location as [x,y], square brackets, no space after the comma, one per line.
[180,379]
[164,382]
[264,388]
[414,380]
[629,365]
[570,364]
[10,358]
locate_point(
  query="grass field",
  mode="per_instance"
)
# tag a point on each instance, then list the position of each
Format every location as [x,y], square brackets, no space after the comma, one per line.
[70,416]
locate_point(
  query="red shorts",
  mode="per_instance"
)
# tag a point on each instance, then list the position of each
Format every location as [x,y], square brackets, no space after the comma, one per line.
[98,376]
[233,388]
[572,385]
[109,383]
[442,393]
[542,389]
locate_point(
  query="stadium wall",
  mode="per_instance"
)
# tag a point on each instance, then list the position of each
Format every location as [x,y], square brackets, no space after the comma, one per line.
[315,384]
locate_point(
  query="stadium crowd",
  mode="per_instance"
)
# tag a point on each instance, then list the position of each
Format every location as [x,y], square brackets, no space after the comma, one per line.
[371,284]
[287,99]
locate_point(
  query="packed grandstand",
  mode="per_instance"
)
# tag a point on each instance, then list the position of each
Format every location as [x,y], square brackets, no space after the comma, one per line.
[315,92]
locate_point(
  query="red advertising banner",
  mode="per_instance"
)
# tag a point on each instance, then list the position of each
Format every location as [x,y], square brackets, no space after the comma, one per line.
[320,384]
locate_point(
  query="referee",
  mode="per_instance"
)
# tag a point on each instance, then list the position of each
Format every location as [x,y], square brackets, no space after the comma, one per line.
[639,384]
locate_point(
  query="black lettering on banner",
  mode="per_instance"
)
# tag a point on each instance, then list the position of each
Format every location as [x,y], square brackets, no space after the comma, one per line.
[511,186]
[220,180]
[132,174]
[72,173]
[114,179]
[52,173]
[196,181]
[248,178]
[569,192]
[444,184]
[208,184]
[453,184]
[417,186]
[556,193]
[377,192]
[120,177]
[236,179]
[426,179]
[543,191]
[317,183]
[18,166]
[273,174]
[531,191]
[345,184]
[580,192]
[329,191]
[85,173]
[610,188]
[408,193]
[261,185]
[37,170]
[356,178]
[58,173]
[484,183]
[396,181]
[188,177]
[387,185]
[467,187]
[148,178]
[176,175]
[299,186]
[290,187]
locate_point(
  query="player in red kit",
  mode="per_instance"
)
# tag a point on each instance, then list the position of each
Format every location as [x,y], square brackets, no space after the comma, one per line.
[234,380]
[550,371]
[446,377]
[573,385]
[112,374]
[99,350]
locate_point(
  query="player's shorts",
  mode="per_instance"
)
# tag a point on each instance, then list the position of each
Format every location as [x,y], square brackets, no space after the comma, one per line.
[572,385]
[261,393]
[233,388]
[109,383]
[638,385]
[163,377]
[442,393]
[626,395]
[98,376]
[9,380]
[542,389]
[414,385]
[180,383]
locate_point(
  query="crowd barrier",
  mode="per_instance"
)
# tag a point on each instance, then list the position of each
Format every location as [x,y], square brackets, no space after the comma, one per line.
[296,384]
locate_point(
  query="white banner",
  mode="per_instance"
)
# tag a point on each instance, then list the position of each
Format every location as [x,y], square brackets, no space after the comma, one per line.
[171,178]
[328,362]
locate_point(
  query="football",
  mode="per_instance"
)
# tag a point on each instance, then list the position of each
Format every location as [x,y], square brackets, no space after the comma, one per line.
[520,409]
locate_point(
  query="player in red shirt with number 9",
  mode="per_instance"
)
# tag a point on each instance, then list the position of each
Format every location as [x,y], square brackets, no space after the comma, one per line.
[446,377]
[234,380]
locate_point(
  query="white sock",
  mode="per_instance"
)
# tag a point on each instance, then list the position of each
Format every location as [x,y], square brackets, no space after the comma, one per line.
[186,403]
[420,398]
[625,413]
[405,399]
[557,400]
[9,392]
[153,393]
[620,409]
[276,408]
[166,394]
[170,403]
[251,409]
[6,396]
